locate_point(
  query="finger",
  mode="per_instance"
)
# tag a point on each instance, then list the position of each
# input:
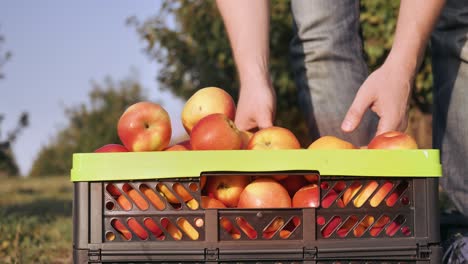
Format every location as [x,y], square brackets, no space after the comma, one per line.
[387,123]
[243,125]
[353,117]
[264,123]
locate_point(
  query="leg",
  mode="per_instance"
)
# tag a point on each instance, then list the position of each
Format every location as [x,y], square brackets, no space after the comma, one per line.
[329,66]
[450,124]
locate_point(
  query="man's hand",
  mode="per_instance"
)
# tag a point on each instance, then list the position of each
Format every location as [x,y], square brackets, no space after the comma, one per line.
[256,106]
[386,92]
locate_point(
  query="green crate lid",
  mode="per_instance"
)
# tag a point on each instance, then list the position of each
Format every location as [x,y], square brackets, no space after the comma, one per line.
[178,164]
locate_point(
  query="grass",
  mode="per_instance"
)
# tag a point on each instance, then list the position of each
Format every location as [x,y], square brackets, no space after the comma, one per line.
[36,220]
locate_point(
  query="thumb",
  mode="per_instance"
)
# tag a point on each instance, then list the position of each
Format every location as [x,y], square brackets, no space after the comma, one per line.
[354,115]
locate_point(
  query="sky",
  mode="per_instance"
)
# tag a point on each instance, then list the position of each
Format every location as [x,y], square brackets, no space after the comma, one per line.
[58,48]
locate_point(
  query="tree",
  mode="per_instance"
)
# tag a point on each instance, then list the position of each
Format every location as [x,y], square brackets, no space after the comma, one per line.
[8,164]
[90,126]
[4,56]
[187,37]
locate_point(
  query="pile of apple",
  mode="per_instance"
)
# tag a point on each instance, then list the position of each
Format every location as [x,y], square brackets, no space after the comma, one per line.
[208,120]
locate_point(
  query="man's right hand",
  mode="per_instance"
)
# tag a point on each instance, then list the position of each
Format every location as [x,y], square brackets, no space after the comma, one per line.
[256,106]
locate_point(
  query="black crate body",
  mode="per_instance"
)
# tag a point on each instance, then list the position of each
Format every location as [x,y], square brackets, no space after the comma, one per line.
[402,229]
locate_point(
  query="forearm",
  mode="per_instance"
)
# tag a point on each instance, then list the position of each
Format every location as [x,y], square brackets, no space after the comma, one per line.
[247,24]
[416,20]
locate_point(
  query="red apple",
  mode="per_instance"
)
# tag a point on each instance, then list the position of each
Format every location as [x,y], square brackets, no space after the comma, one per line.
[153,227]
[145,126]
[184,145]
[136,227]
[121,228]
[393,140]
[331,142]
[312,178]
[274,138]
[292,183]
[215,132]
[246,228]
[204,102]
[307,196]
[246,136]
[209,202]
[177,188]
[111,148]
[227,188]
[280,177]
[264,193]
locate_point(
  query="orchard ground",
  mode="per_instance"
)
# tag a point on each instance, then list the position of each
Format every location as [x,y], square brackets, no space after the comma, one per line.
[36,220]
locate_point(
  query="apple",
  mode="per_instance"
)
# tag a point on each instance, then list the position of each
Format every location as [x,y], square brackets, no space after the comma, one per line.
[393,140]
[280,177]
[193,204]
[246,228]
[379,196]
[246,136]
[361,228]
[312,178]
[135,197]
[307,196]
[120,227]
[177,188]
[330,198]
[145,126]
[188,229]
[227,188]
[379,225]
[111,148]
[273,227]
[331,142]
[154,228]
[202,182]
[206,101]
[173,231]
[227,225]
[292,183]
[155,200]
[329,229]
[215,132]
[351,192]
[264,193]
[137,229]
[273,138]
[184,145]
[209,202]
[364,195]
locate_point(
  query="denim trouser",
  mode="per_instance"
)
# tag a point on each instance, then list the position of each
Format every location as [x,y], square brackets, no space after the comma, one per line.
[450,115]
[328,62]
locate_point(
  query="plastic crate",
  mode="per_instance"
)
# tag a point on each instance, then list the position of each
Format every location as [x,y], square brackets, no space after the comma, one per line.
[402,228]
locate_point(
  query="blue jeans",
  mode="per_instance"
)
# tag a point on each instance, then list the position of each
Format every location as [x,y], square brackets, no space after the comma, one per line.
[329,67]
[450,115]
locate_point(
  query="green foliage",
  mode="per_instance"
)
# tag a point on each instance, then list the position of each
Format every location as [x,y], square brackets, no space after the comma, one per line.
[90,126]
[36,220]
[187,37]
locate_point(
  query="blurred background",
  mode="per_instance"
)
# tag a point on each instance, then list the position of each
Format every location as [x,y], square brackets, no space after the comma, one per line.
[68,71]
